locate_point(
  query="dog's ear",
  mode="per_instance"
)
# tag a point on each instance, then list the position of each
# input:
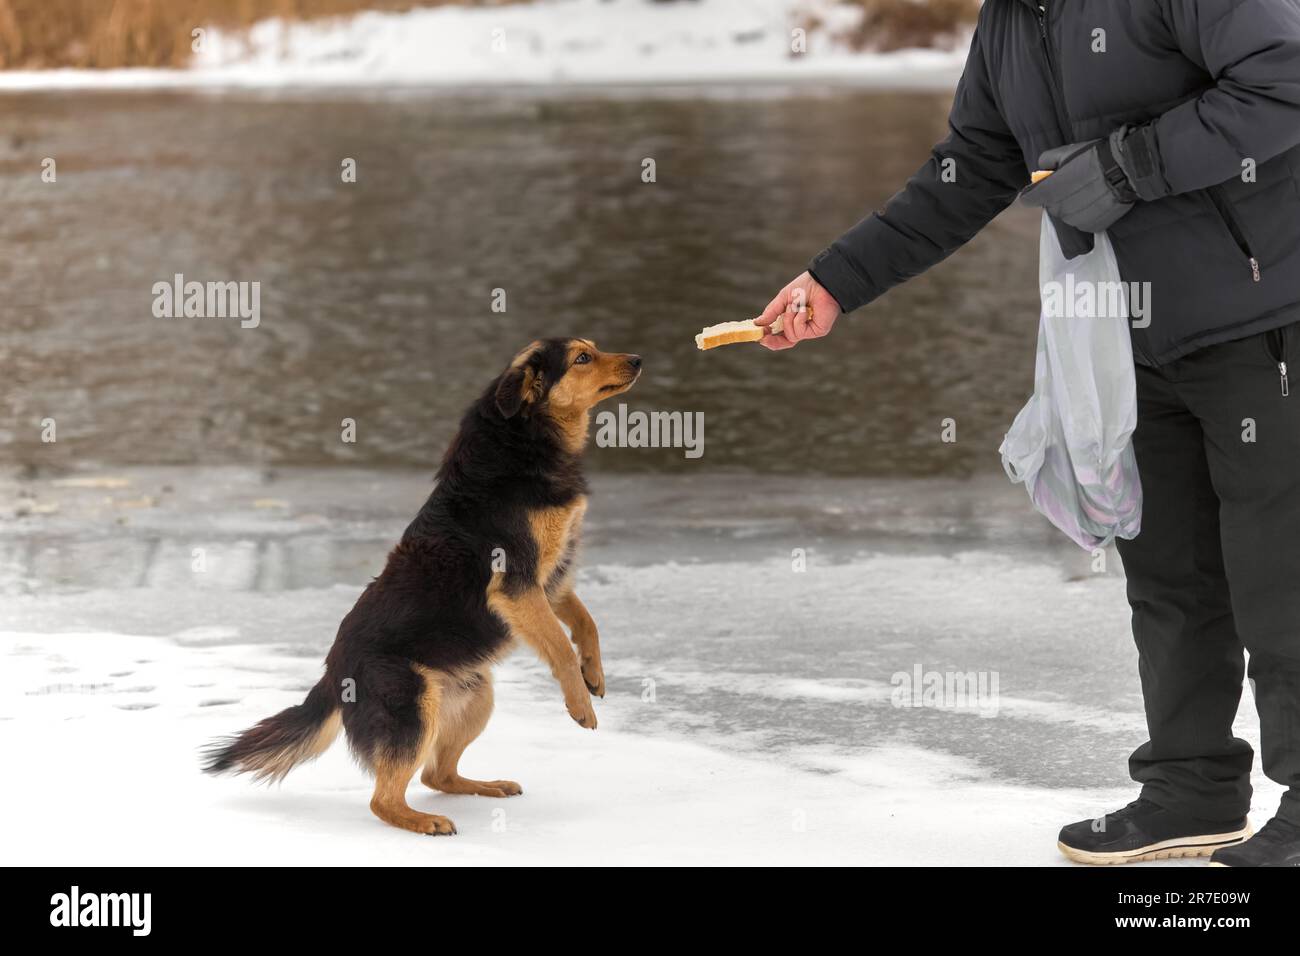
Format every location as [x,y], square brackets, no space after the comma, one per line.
[510,392]
[518,385]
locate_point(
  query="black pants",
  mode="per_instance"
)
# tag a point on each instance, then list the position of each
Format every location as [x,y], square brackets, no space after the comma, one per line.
[1215,569]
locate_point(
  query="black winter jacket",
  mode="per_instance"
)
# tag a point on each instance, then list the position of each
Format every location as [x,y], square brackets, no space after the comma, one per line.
[1220,79]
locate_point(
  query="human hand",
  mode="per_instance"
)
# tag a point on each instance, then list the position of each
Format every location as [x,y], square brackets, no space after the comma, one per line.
[806,310]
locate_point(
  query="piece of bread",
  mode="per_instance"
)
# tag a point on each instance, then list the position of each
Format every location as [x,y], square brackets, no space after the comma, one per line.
[729,333]
[1039,175]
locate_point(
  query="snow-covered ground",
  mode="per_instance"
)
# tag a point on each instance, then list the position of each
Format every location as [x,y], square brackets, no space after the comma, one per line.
[751,714]
[103,728]
[548,42]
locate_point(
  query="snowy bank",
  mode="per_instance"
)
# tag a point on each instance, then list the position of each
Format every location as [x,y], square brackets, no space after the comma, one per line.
[550,42]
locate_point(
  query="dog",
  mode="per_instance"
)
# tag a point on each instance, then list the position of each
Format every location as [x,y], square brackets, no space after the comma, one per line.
[488,560]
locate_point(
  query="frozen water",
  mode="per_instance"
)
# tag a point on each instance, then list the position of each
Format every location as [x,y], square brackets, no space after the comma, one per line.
[753,710]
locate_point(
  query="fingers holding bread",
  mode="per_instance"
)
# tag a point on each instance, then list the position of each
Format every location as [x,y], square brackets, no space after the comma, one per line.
[794,327]
[776,343]
[787,320]
[775,308]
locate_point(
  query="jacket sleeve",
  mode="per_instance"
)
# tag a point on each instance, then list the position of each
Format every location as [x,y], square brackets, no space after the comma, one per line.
[935,213]
[1252,50]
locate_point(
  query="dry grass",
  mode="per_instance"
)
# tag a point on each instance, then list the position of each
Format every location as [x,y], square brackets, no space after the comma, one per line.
[899,24]
[39,34]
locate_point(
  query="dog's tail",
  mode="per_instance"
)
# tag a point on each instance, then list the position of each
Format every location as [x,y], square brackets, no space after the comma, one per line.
[274,746]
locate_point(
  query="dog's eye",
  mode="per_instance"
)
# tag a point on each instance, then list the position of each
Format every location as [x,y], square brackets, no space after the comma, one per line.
[582,359]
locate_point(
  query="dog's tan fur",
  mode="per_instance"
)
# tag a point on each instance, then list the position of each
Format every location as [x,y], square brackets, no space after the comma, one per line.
[273,766]
[456,707]
[392,774]
[514,471]
[572,398]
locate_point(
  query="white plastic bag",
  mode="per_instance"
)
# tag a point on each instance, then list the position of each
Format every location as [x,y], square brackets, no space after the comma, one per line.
[1071,445]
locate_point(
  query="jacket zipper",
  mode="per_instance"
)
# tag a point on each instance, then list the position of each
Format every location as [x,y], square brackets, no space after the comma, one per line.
[1280,357]
[1229,216]
[1058,101]
[1058,96]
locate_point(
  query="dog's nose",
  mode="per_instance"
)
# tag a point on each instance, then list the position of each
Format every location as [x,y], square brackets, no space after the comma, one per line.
[634,361]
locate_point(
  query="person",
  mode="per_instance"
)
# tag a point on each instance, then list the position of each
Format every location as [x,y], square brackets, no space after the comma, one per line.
[1174,125]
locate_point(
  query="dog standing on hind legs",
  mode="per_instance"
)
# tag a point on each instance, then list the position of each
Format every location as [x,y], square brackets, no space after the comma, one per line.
[487,561]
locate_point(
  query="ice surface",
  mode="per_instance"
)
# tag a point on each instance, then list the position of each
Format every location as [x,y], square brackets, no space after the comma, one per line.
[109,725]
[750,715]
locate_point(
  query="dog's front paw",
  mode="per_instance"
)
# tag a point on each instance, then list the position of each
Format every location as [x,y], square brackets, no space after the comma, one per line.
[582,712]
[593,675]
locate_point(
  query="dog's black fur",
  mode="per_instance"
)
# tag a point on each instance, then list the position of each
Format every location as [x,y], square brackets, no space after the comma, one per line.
[429,606]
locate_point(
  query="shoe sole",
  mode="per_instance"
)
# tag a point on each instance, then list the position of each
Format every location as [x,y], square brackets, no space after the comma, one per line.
[1176,849]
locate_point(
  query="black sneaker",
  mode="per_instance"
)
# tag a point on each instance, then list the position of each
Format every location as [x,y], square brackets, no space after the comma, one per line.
[1276,844]
[1144,831]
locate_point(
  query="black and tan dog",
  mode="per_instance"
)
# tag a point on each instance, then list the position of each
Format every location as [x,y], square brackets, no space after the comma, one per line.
[488,559]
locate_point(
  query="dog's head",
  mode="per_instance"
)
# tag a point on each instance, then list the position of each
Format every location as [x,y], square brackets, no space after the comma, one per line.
[563,377]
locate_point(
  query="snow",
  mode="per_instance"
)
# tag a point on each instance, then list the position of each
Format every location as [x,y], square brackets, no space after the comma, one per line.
[749,717]
[549,42]
[114,721]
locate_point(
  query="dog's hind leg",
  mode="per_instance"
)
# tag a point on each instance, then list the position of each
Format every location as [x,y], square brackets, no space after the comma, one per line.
[457,729]
[529,617]
[389,801]
[393,771]
[569,609]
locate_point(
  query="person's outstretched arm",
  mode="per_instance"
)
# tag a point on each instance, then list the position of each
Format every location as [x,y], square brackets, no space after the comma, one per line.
[971,177]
